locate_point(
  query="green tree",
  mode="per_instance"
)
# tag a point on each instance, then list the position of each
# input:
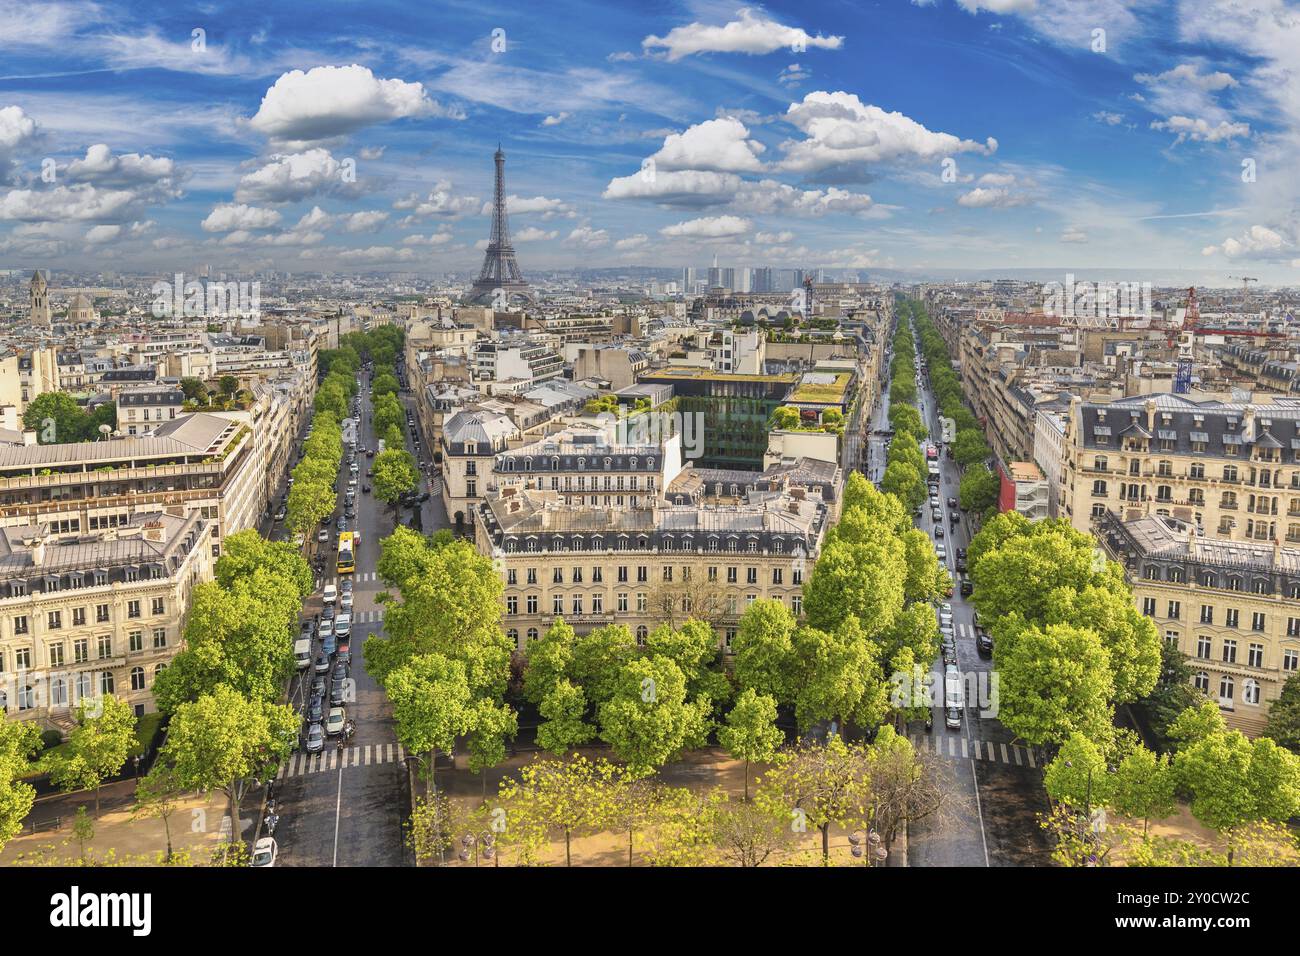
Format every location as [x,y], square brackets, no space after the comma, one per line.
[970,448]
[490,725]
[1284,716]
[222,741]
[648,720]
[571,797]
[97,747]
[786,418]
[562,728]
[432,706]
[56,418]
[750,732]
[395,474]
[158,795]
[838,676]
[245,552]
[1078,774]
[1234,781]
[905,483]
[1056,681]
[19,740]
[819,786]
[856,580]
[978,491]
[1173,694]
[1144,786]
[763,650]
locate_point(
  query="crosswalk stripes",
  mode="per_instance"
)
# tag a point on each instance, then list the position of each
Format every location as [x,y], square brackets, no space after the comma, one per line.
[331,758]
[368,617]
[975,749]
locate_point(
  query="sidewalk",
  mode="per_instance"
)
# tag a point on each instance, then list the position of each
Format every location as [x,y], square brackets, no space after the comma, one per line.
[196,825]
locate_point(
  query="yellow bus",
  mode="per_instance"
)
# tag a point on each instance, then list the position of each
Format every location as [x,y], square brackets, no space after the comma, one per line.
[347,553]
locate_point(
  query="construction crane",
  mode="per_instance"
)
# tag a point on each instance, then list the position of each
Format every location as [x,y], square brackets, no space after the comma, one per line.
[1245,283]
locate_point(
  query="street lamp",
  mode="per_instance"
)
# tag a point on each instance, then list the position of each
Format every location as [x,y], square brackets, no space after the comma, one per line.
[873,850]
[472,841]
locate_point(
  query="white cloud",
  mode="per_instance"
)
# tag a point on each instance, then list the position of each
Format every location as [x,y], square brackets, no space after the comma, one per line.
[794,74]
[557,119]
[368,221]
[372,152]
[102,168]
[1187,74]
[995,198]
[80,203]
[773,238]
[1108,118]
[717,145]
[440,238]
[751,33]
[97,235]
[685,187]
[373,254]
[840,129]
[316,219]
[291,177]
[1198,130]
[238,216]
[997,6]
[533,234]
[534,205]
[997,179]
[708,227]
[1257,242]
[329,101]
[439,202]
[587,237]
[769,197]
[631,242]
[1074,235]
[17,130]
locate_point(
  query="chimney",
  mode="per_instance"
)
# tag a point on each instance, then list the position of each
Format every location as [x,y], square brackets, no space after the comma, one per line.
[38,552]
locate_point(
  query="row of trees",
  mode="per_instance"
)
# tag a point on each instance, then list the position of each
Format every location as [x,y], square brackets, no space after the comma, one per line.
[979,484]
[313,495]
[58,419]
[394,471]
[877,787]
[221,692]
[905,465]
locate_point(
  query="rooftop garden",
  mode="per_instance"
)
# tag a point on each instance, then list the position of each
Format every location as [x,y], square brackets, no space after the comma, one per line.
[829,393]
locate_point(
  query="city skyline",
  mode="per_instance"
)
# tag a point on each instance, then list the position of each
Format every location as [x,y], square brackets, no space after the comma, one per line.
[790,138]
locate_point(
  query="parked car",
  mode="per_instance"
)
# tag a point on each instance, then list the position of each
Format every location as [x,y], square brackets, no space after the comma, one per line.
[308,630]
[334,722]
[967,586]
[322,536]
[330,594]
[949,649]
[345,602]
[315,710]
[322,663]
[315,739]
[961,564]
[329,645]
[279,515]
[983,642]
[340,672]
[346,586]
[265,852]
[344,652]
[338,693]
[343,624]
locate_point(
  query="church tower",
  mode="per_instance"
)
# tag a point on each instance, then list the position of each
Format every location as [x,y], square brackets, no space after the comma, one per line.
[39,312]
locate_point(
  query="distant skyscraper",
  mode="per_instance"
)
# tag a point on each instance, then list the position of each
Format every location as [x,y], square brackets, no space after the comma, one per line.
[39,311]
[727,278]
[688,279]
[762,280]
[500,278]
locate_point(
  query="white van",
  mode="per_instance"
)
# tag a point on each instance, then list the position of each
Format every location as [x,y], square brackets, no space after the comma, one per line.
[302,653]
[954,698]
[331,594]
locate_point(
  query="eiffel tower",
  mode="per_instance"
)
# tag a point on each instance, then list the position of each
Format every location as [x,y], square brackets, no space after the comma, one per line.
[500,279]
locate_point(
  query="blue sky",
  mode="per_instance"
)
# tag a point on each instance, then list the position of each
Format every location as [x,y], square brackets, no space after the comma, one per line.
[988,134]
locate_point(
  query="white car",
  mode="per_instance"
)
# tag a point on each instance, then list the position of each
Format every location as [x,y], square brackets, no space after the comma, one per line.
[265,852]
[343,624]
[334,722]
[345,601]
[331,594]
[326,629]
